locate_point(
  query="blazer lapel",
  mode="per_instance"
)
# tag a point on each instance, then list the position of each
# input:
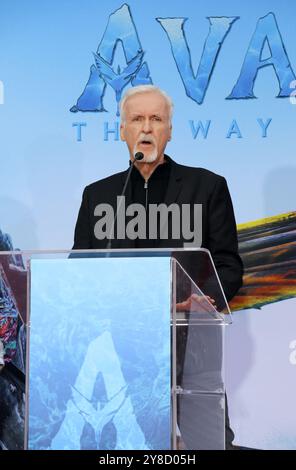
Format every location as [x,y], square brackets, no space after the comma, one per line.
[174,185]
[174,188]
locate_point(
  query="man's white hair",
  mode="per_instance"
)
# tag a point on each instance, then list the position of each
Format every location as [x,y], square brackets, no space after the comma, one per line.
[145,89]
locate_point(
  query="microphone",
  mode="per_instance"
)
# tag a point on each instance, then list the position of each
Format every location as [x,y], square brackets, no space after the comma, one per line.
[137,157]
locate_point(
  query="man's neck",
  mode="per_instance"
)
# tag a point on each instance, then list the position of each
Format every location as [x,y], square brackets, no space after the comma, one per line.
[146,169]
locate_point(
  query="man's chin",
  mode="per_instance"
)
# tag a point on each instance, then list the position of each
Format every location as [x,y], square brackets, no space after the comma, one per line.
[148,157]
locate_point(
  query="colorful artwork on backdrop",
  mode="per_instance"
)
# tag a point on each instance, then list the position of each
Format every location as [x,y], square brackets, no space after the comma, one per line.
[267,248]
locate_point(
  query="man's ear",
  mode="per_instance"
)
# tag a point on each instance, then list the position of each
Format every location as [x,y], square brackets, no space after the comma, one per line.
[170,133]
[122,132]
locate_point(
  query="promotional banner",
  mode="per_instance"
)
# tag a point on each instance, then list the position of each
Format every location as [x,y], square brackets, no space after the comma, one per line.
[230,69]
[102,382]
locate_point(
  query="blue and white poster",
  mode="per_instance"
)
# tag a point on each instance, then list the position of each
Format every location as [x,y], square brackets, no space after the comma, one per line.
[103,379]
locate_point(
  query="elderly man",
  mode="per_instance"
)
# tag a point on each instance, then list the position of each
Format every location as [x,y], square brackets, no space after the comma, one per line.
[146,127]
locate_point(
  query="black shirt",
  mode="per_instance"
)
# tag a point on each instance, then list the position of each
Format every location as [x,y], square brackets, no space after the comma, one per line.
[151,192]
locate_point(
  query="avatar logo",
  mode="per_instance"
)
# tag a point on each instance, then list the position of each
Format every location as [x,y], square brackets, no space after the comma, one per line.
[121,27]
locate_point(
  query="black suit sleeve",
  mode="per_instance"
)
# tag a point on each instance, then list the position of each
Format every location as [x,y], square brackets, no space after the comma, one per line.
[82,236]
[222,239]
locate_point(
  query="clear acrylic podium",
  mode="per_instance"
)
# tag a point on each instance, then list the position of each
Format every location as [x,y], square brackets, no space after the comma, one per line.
[119,349]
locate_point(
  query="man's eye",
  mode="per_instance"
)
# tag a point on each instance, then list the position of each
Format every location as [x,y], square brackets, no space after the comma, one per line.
[156,118]
[137,118]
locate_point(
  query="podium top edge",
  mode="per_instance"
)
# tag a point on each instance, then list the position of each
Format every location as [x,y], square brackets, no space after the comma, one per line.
[113,250]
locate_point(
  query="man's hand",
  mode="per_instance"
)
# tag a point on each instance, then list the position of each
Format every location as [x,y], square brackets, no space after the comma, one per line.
[197,303]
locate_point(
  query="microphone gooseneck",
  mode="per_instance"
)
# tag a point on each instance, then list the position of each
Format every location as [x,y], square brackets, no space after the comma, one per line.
[138,156]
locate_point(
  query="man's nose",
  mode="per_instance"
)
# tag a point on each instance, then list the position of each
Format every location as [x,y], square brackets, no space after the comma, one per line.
[147,126]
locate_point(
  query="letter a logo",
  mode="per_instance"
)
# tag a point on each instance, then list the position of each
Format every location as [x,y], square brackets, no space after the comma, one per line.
[121,28]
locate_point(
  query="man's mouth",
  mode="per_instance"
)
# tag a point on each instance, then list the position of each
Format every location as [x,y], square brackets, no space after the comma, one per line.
[145,143]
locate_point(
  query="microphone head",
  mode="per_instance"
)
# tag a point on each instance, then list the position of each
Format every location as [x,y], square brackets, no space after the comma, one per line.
[139,156]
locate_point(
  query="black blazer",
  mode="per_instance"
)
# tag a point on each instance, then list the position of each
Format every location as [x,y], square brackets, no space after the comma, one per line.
[186,185]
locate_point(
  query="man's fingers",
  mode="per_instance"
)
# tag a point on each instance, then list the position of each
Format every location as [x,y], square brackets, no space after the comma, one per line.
[181,306]
[197,303]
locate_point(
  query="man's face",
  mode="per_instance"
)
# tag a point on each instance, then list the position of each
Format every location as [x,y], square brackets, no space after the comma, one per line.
[146,127]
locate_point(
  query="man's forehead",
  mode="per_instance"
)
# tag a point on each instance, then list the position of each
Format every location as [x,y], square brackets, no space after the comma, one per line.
[151,102]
